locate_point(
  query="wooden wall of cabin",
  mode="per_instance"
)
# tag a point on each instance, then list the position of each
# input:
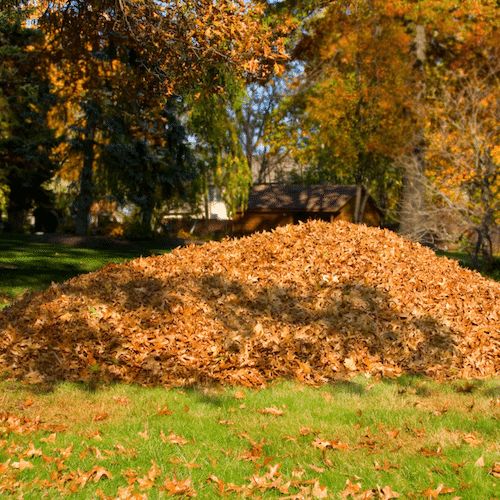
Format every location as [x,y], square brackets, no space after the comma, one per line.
[257,221]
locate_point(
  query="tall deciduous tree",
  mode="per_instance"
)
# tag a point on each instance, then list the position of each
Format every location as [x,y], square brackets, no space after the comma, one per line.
[151,49]
[371,69]
[464,151]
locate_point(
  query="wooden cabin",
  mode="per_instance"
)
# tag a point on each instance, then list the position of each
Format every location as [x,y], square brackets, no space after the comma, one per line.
[272,205]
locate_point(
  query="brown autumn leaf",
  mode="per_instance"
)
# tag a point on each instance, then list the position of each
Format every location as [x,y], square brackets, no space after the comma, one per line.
[351,489]
[332,444]
[318,491]
[218,482]
[65,452]
[350,364]
[27,403]
[147,482]
[495,470]
[49,439]
[32,451]
[226,422]
[393,434]
[271,411]
[386,466]
[440,490]
[239,395]
[173,439]
[121,400]
[479,462]
[176,486]
[144,434]
[95,435]
[165,410]
[321,444]
[472,439]
[254,454]
[386,493]
[317,469]
[100,417]
[22,465]
[97,473]
[191,465]
[427,452]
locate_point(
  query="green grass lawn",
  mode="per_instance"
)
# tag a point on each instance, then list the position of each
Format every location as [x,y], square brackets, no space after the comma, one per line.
[28,264]
[411,435]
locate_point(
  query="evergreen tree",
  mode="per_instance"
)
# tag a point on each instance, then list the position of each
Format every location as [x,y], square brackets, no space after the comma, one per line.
[25,99]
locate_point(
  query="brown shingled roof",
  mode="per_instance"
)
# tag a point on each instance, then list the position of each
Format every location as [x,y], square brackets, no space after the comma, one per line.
[299,198]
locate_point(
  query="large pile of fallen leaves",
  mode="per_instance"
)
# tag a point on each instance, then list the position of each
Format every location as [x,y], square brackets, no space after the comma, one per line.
[314,302]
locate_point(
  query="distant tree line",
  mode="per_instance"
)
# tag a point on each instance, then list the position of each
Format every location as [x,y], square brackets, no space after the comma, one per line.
[150,102]
[134,100]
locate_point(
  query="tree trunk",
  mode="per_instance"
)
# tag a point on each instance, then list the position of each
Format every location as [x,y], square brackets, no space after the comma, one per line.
[146,218]
[83,202]
[16,218]
[412,216]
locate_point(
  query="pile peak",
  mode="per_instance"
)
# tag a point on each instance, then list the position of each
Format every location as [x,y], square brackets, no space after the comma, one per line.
[314,302]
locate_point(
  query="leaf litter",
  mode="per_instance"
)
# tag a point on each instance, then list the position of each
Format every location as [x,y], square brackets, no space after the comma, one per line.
[313,302]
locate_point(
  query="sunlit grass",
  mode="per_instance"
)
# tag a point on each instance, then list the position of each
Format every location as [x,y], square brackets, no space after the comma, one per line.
[411,434]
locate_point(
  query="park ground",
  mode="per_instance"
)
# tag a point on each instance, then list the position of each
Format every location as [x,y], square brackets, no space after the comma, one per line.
[411,436]
[364,437]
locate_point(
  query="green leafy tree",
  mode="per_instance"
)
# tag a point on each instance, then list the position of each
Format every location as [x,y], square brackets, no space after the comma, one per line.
[145,162]
[139,51]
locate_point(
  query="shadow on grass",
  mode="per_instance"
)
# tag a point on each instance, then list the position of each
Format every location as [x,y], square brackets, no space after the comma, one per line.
[346,386]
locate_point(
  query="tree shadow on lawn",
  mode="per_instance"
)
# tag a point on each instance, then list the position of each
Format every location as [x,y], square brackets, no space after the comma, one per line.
[123,324]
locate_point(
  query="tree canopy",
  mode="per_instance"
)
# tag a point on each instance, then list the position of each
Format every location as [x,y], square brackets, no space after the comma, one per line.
[145,101]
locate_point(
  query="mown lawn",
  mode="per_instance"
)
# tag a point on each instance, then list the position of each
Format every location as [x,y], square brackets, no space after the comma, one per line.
[411,436]
[26,263]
